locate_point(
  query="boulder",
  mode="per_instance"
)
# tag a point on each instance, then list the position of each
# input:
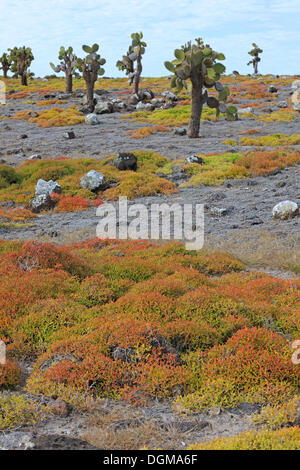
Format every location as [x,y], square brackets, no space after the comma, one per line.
[272,89]
[125,161]
[47,187]
[91,119]
[43,202]
[92,180]
[285,210]
[104,107]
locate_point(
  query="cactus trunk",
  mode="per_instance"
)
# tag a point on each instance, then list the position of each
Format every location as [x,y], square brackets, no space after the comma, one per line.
[69,83]
[90,95]
[137,76]
[255,67]
[197,104]
[24,79]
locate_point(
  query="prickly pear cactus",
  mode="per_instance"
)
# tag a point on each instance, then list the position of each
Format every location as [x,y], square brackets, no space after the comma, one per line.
[91,68]
[5,63]
[68,64]
[133,56]
[255,54]
[200,64]
[21,58]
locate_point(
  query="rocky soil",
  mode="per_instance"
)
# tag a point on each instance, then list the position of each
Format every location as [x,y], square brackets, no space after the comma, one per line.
[247,216]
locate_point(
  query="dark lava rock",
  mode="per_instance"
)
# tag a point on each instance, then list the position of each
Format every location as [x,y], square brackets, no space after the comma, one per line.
[125,161]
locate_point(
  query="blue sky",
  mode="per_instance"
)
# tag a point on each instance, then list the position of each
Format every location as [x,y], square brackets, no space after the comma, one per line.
[229,26]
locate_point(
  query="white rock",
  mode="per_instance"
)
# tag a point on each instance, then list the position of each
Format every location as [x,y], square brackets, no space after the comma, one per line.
[144,106]
[245,110]
[92,180]
[103,107]
[91,119]
[47,187]
[285,210]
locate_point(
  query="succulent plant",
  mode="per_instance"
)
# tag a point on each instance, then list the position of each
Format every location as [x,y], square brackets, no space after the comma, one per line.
[5,63]
[134,54]
[68,64]
[255,54]
[91,68]
[199,63]
[21,58]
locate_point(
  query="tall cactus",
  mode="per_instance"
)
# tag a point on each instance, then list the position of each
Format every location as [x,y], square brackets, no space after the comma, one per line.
[68,65]
[5,62]
[91,68]
[254,53]
[198,63]
[21,58]
[134,54]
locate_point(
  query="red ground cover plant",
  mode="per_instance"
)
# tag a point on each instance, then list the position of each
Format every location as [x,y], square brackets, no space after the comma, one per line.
[137,319]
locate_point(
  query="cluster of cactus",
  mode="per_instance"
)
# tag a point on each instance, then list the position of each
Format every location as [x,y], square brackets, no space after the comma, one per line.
[68,64]
[91,68]
[198,63]
[5,63]
[21,58]
[134,54]
[255,54]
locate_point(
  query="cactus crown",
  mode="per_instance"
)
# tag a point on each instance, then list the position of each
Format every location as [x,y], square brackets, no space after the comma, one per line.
[198,63]
[5,60]
[68,61]
[92,62]
[136,50]
[21,58]
[255,54]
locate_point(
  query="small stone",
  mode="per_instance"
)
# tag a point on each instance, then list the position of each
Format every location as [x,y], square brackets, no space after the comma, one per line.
[194,159]
[144,106]
[179,131]
[91,119]
[214,411]
[24,136]
[69,135]
[59,407]
[125,161]
[219,211]
[92,180]
[285,210]
[170,96]
[34,157]
[282,104]
[245,110]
